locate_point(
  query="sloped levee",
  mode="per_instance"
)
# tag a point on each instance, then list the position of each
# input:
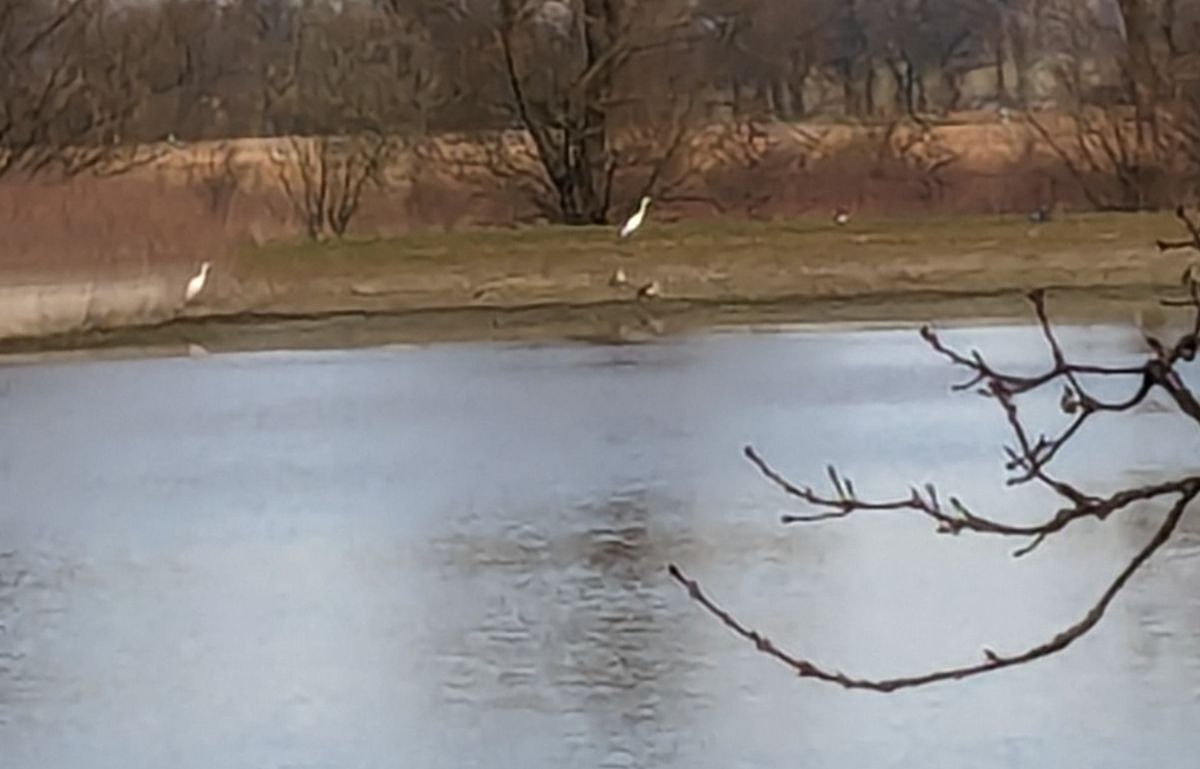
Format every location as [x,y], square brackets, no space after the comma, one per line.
[46,309]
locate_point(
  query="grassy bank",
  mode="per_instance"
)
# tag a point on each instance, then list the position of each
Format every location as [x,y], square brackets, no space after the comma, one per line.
[734,261]
[554,282]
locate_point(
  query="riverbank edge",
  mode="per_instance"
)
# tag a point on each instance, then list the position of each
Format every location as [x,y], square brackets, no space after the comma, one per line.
[600,322]
[554,283]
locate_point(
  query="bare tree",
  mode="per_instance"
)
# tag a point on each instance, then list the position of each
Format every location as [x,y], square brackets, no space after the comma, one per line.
[1120,136]
[324,178]
[357,114]
[1030,459]
[577,72]
[921,40]
[217,179]
[1118,166]
[32,95]
[760,54]
[738,167]
[197,58]
[67,87]
[270,32]
[1146,49]
[911,149]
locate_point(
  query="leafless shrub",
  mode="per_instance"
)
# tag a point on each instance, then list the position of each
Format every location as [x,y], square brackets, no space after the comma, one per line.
[912,149]
[730,167]
[908,152]
[1119,162]
[217,179]
[324,178]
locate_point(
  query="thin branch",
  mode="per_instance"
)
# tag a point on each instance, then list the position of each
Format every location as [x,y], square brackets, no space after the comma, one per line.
[1029,459]
[808,669]
[956,518]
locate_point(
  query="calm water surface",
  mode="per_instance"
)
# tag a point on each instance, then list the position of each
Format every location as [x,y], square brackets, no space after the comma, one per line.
[454,557]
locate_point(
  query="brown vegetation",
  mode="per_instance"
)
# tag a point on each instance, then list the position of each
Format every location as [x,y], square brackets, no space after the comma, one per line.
[257,120]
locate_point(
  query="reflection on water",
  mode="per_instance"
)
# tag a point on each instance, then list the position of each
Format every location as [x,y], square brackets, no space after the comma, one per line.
[576,627]
[454,557]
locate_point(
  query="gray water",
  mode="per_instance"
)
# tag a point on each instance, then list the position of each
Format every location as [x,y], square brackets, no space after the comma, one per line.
[454,557]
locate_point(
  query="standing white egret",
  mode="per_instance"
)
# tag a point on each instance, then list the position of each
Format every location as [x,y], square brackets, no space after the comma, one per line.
[618,278]
[635,221]
[841,216]
[196,284]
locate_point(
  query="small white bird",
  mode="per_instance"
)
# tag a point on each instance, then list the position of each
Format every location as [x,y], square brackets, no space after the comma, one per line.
[841,217]
[618,278]
[196,284]
[650,290]
[635,221]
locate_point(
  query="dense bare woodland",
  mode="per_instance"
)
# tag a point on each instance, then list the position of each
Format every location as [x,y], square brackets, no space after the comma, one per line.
[599,87]
[97,71]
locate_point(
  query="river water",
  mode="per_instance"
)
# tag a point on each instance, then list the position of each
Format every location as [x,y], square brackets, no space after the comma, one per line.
[454,556]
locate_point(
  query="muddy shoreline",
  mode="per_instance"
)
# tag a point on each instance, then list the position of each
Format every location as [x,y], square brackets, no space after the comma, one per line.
[614,322]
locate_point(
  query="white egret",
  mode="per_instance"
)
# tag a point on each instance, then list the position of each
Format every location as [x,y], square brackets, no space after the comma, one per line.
[841,217]
[618,278]
[196,284]
[635,221]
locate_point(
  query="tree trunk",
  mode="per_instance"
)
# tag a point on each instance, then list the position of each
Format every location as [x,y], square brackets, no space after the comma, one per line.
[1142,62]
[569,126]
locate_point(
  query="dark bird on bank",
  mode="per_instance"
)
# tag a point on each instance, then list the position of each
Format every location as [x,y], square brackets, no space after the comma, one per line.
[650,290]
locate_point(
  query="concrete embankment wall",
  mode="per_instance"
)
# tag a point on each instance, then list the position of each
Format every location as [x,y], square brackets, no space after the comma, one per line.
[39,310]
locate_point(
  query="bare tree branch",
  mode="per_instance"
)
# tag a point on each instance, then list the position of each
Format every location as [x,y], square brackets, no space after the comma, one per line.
[1029,460]
[992,661]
